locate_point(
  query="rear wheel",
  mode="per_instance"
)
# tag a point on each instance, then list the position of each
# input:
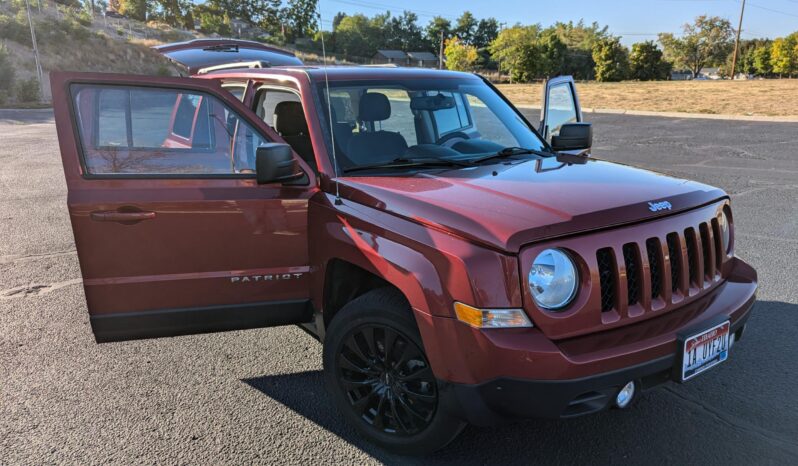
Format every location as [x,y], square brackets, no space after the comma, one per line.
[380,378]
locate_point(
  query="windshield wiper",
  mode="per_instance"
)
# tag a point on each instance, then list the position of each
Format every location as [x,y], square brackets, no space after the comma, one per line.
[402,162]
[509,152]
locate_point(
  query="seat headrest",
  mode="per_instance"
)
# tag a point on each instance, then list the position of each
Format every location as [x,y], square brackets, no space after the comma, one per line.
[289,119]
[374,107]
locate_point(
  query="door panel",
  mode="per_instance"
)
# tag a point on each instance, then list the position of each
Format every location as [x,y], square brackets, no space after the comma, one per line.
[177,238]
[560,105]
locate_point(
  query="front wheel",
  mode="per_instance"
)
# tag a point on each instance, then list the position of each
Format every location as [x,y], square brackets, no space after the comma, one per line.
[379,376]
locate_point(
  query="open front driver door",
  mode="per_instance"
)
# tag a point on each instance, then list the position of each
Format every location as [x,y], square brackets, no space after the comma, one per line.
[173,234]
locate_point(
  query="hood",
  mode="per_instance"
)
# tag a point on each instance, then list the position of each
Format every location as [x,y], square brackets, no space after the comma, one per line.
[507,206]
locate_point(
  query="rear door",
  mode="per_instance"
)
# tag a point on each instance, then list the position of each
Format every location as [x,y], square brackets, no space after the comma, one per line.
[560,106]
[173,234]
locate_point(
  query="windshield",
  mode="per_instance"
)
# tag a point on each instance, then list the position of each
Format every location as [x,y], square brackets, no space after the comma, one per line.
[379,122]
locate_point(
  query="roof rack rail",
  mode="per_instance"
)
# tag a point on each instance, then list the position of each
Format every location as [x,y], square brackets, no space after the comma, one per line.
[235,65]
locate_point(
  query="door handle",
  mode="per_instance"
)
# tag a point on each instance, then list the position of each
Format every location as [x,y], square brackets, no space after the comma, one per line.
[121,217]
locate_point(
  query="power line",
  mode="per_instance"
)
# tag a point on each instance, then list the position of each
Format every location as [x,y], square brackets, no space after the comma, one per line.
[772,10]
[385,6]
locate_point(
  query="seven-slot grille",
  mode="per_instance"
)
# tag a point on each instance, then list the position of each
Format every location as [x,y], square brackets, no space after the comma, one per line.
[684,263]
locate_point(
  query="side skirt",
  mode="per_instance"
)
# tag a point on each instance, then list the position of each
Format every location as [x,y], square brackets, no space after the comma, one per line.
[189,321]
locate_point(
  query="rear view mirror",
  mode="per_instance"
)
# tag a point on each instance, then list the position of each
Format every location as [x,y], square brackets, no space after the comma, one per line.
[573,136]
[432,102]
[275,163]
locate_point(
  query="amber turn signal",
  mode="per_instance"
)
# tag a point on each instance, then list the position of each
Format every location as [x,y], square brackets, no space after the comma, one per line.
[491,318]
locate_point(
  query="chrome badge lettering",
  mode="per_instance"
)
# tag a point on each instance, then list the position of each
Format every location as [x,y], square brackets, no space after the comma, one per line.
[657,206]
[266,278]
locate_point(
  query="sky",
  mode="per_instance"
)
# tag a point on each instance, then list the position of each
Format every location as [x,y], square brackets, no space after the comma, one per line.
[635,21]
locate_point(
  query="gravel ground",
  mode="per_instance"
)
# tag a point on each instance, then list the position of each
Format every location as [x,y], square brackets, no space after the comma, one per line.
[257,396]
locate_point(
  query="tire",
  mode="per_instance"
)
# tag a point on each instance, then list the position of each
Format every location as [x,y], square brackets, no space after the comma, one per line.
[387,392]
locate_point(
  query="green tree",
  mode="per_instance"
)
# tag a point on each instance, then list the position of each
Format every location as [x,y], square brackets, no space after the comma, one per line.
[136,9]
[405,34]
[466,27]
[357,36]
[486,32]
[579,39]
[301,17]
[337,20]
[762,64]
[784,55]
[437,26]
[646,62]
[516,52]
[459,55]
[706,41]
[552,54]
[612,60]
[267,13]
[212,20]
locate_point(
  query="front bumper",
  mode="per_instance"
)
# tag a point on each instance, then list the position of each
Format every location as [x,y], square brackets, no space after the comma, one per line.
[496,375]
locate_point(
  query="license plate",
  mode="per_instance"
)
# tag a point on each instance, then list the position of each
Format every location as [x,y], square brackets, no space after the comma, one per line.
[705,350]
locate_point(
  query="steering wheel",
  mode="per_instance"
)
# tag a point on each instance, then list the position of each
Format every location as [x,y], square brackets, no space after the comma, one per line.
[451,136]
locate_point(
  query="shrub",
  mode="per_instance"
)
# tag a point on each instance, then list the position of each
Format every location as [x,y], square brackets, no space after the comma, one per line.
[3,97]
[163,70]
[28,90]
[12,28]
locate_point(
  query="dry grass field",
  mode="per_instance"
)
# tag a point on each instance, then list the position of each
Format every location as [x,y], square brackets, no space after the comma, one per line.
[773,97]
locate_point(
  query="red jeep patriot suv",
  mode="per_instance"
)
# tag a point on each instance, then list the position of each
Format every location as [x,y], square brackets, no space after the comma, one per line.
[458,264]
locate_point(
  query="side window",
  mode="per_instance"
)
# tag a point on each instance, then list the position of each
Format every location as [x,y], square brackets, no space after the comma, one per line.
[401,119]
[561,108]
[452,119]
[237,90]
[267,101]
[148,131]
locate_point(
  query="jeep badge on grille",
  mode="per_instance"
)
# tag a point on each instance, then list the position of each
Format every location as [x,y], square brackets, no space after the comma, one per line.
[657,206]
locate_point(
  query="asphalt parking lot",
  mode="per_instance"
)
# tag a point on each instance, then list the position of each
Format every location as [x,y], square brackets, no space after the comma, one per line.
[257,396]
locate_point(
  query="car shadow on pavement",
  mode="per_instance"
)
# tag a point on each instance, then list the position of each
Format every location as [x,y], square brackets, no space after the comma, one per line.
[708,409]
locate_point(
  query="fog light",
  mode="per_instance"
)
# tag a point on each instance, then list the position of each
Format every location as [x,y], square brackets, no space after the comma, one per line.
[625,395]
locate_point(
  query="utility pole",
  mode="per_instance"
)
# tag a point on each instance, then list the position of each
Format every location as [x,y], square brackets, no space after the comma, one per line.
[737,42]
[35,51]
[440,53]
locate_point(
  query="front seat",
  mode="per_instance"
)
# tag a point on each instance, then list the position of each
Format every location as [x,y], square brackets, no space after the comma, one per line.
[368,147]
[289,121]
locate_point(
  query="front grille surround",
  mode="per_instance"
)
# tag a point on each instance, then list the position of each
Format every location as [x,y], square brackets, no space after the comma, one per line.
[635,272]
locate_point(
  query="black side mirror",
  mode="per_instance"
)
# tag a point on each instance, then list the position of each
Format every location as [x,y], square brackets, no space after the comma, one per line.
[274,162]
[573,136]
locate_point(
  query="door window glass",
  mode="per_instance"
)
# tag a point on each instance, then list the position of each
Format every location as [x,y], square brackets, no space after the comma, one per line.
[146,131]
[452,119]
[268,100]
[561,108]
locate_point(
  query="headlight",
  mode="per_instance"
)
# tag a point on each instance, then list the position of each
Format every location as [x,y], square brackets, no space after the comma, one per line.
[553,279]
[725,230]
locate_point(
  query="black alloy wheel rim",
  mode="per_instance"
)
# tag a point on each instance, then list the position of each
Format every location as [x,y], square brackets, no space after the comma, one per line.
[387,380]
